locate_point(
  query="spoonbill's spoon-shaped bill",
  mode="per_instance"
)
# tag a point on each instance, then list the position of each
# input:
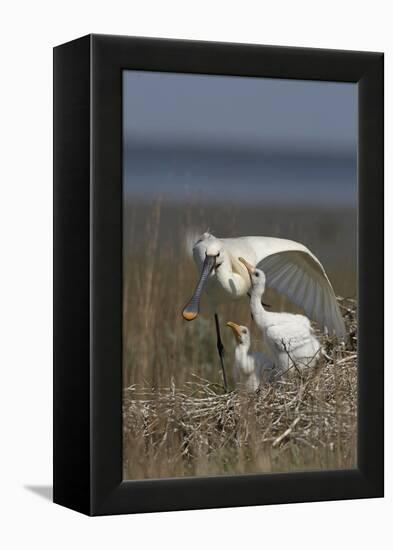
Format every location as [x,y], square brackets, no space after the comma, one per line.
[250,268]
[191,310]
[237,330]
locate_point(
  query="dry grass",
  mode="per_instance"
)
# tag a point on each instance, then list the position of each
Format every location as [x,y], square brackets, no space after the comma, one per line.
[177,420]
[300,423]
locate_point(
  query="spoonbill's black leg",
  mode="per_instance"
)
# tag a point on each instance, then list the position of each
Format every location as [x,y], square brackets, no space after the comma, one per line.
[220,349]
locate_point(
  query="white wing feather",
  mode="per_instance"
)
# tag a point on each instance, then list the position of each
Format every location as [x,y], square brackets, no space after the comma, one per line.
[291,269]
[301,277]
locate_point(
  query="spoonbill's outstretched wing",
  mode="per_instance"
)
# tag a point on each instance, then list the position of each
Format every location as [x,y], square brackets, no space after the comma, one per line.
[290,268]
[301,277]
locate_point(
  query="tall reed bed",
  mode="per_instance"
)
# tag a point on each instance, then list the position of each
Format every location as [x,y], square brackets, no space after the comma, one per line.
[176,419]
[160,275]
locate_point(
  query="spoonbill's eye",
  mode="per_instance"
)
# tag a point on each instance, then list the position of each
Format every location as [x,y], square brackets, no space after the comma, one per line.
[257,274]
[218,254]
[244,331]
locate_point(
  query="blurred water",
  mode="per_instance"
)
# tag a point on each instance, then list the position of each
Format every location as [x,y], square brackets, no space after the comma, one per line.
[220,138]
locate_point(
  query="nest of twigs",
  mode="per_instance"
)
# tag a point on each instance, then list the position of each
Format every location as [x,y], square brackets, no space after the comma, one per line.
[305,421]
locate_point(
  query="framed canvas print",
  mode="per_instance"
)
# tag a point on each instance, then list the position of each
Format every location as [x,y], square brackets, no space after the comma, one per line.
[218,275]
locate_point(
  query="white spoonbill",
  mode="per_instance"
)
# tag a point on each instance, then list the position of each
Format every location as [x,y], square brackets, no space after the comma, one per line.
[289,338]
[250,370]
[290,268]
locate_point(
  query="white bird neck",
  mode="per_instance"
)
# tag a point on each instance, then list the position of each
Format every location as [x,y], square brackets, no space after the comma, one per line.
[241,352]
[261,316]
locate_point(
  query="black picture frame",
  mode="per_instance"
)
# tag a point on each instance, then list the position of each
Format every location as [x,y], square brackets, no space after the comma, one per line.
[88,274]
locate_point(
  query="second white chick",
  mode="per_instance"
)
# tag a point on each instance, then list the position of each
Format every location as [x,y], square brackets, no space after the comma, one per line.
[250,369]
